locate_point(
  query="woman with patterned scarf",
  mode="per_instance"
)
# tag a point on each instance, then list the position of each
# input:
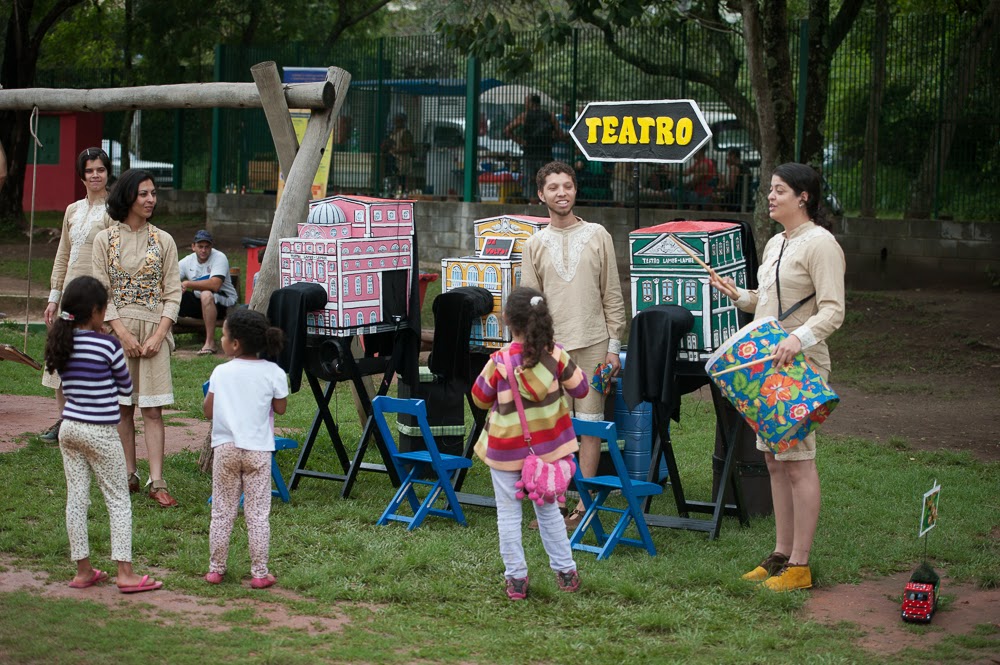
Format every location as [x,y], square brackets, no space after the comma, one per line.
[137,262]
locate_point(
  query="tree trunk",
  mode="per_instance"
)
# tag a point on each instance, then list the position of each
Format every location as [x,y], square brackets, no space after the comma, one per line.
[766,36]
[964,74]
[20,59]
[869,161]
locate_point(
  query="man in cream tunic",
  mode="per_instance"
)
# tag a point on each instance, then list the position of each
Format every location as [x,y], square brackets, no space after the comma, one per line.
[572,262]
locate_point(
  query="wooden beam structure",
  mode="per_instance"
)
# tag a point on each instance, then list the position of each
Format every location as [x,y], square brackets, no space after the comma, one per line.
[179,96]
[294,204]
[269,86]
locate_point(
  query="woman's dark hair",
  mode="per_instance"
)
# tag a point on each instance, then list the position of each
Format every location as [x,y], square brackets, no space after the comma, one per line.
[89,155]
[531,320]
[125,191]
[804,178]
[254,332]
[81,298]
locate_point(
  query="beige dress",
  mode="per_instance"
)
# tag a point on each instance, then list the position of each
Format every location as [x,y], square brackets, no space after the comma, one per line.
[812,262]
[81,224]
[141,272]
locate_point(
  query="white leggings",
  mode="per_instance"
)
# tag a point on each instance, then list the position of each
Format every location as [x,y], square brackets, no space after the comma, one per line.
[86,447]
[551,526]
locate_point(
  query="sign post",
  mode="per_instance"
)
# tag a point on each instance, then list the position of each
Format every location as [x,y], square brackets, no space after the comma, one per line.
[666,131]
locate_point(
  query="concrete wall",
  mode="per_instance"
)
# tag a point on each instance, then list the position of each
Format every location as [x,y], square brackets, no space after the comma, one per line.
[881,254]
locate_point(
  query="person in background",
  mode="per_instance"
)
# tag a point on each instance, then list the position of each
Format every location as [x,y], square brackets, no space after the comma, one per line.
[730,188]
[401,149]
[539,130]
[137,263]
[208,288]
[243,396]
[562,150]
[700,179]
[572,262]
[81,224]
[92,367]
[801,284]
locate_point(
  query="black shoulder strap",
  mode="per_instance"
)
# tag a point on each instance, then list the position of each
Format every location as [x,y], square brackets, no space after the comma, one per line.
[784,314]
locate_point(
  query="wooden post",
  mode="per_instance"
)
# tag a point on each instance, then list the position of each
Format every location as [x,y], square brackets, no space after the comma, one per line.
[294,201]
[180,96]
[265,76]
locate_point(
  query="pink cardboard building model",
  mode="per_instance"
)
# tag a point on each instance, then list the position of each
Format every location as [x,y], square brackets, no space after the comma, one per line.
[360,250]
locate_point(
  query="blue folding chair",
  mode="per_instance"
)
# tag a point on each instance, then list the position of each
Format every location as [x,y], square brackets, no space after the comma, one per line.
[413,467]
[634,491]
[280,443]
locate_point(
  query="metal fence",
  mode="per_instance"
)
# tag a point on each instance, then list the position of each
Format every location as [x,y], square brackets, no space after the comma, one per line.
[231,150]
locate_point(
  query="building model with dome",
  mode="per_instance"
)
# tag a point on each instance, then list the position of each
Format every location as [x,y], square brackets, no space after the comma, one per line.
[360,250]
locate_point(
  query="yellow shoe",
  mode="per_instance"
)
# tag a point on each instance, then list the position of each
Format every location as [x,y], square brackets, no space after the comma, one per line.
[790,579]
[769,566]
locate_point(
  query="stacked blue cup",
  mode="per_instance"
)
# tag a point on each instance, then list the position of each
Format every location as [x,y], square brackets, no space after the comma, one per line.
[635,431]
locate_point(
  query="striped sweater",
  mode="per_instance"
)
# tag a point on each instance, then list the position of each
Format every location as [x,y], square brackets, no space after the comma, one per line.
[95,376]
[545,407]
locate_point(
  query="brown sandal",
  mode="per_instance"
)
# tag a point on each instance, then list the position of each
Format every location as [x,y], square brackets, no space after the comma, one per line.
[158,492]
[574,518]
[134,484]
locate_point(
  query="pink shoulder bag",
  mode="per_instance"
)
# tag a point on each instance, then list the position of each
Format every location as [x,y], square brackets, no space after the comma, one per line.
[541,481]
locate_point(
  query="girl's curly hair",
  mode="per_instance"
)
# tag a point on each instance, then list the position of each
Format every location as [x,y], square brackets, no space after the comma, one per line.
[528,314]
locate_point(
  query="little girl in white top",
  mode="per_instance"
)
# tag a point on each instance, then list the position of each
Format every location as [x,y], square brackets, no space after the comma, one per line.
[243,396]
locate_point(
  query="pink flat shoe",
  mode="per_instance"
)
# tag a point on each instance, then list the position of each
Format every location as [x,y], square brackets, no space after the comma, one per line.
[214,578]
[97,576]
[263,582]
[143,585]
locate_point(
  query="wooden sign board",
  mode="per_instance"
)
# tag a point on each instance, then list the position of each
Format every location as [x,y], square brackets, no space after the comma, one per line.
[666,131]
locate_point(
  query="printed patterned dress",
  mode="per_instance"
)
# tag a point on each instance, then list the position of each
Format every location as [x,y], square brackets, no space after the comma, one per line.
[140,270]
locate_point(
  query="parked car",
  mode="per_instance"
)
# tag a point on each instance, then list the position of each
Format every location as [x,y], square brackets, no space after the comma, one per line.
[162,172]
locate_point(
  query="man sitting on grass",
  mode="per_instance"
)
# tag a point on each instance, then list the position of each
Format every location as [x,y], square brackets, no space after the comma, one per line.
[208,289]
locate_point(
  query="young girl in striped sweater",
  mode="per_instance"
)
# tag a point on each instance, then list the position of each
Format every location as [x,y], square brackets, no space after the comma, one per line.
[92,368]
[543,371]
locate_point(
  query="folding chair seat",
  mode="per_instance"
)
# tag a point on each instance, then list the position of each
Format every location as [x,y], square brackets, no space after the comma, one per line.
[280,443]
[428,467]
[633,491]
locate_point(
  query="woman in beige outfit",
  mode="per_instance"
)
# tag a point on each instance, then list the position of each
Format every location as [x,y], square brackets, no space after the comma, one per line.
[137,262]
[81,224]
[801,284]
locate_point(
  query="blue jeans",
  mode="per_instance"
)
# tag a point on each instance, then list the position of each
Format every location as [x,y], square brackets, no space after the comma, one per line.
[551,526]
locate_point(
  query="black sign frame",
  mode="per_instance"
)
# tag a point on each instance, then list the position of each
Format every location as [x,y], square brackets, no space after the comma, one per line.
[655,109]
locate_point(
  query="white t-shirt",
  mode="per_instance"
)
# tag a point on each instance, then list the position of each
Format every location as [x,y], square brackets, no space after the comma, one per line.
[241,408]
[217,265]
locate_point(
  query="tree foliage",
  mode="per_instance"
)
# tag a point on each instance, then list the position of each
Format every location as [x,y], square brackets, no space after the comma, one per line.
[745,37]
[158,43]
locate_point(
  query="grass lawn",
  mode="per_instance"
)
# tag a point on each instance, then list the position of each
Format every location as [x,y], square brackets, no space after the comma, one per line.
[435,595]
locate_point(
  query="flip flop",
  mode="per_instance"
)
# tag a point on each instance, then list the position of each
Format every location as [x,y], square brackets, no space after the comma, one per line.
[263,582]
[207,352]
[141,586]
[97,577]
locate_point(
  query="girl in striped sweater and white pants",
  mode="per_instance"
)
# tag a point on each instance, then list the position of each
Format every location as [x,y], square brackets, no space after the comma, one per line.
[92,368]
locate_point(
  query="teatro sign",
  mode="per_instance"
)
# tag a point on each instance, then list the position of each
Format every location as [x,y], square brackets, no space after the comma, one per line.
[668,131]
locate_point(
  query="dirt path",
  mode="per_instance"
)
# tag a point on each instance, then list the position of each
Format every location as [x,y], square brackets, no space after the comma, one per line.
[172,608]
[25,415]
[874,606]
